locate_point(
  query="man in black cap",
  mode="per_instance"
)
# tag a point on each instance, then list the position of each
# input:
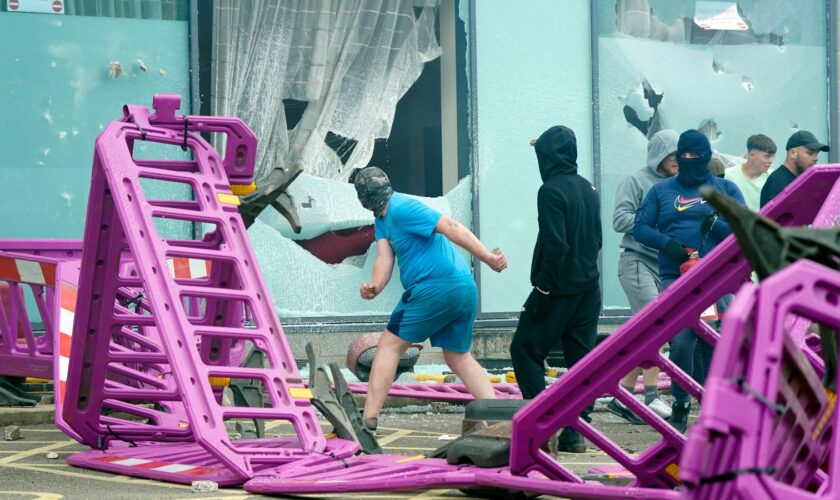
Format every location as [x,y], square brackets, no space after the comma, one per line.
[439,302]
[803,149]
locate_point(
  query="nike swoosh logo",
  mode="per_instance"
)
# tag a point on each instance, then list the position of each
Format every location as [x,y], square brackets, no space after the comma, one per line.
[682,204]
[680,199]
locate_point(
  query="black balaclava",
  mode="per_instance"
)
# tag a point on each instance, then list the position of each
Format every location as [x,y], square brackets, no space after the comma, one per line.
[694,171]
[373,189]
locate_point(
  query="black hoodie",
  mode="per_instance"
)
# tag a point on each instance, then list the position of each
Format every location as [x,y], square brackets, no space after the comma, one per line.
[569,216]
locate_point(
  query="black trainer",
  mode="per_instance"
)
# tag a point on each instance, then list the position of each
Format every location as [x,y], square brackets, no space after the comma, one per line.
[679,416]
[571,441]
[618,408]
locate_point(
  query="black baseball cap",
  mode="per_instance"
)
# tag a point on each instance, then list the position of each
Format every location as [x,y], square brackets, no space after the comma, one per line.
[806,139]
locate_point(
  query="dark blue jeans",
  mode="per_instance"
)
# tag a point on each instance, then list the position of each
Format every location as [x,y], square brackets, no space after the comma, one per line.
[685,350]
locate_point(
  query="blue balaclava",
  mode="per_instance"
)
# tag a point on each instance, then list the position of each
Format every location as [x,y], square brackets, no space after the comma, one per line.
[694,171]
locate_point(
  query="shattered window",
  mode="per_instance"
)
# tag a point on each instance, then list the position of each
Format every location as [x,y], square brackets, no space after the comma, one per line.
[730,69]
[330,87]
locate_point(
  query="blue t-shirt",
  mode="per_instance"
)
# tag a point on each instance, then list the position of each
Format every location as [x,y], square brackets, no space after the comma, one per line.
[422,254]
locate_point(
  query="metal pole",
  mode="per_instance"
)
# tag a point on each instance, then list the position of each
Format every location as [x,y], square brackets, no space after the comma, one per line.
[476,219]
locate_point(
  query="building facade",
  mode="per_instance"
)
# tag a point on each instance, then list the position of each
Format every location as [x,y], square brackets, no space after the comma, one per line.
[457,91]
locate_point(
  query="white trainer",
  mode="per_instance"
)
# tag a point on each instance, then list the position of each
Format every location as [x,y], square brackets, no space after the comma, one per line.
[661,408]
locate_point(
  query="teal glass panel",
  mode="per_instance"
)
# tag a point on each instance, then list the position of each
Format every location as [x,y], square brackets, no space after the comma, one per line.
[533,71]
[56,94]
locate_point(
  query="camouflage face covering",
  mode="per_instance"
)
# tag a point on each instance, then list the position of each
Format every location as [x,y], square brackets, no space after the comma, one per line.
[373,189]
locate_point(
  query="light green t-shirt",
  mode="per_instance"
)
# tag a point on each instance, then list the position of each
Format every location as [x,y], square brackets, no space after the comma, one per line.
[750,188]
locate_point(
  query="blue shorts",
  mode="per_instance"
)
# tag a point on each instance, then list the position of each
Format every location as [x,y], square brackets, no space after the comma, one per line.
[441,310]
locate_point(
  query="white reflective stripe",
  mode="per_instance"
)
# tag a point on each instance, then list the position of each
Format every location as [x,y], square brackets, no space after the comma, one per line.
[65,321]
[198,268]
[171,264]
[63,366]
[30,272]
[132,461]
[174,468]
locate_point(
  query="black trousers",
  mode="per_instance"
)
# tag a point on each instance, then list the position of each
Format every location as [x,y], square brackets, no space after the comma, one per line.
[572,323]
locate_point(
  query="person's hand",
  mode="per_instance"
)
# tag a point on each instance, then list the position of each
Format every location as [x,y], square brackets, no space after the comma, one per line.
[537,305]
[497,260]
[368,291]
[675,251]
[708,223]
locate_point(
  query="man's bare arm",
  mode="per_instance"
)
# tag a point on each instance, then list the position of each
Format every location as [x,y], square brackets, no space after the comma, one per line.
[383,266]
[464,238]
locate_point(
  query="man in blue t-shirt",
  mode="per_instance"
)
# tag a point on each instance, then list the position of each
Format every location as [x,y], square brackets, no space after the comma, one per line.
[439,302]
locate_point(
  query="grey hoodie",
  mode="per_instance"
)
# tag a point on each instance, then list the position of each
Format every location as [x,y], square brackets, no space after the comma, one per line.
[634,187]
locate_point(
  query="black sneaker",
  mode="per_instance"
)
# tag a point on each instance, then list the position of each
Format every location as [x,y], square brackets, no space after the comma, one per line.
[679,416]
[571,441]
[616,407]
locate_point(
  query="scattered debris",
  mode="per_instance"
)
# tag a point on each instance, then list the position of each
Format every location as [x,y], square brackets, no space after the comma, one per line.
[142,65]
[747,83]
[162,72]
[438,406]
[114,69]
[52,455]
[204,487]
[62,134]
[12,433]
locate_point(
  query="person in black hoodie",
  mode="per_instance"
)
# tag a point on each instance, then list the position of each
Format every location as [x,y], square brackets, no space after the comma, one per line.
[565,303]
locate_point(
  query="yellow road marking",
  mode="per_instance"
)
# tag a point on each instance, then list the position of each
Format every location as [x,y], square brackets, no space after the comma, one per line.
[110,479]
[35,451]
[37,495]
[60,452]
[390,438]
[27,441]
[433,495]
[63,464]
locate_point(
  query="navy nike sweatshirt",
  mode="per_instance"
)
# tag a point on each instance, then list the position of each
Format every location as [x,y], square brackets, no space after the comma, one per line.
[672,210]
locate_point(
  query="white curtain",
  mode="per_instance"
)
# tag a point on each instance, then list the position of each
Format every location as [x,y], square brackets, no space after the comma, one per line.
[349,60]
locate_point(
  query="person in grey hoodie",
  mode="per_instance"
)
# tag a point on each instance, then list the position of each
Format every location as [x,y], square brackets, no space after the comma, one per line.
[638,268]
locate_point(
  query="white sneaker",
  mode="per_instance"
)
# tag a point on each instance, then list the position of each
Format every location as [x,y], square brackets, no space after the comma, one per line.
[661,408]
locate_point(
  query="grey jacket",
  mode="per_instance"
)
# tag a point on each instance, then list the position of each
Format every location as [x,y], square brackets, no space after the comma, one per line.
[634,187]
